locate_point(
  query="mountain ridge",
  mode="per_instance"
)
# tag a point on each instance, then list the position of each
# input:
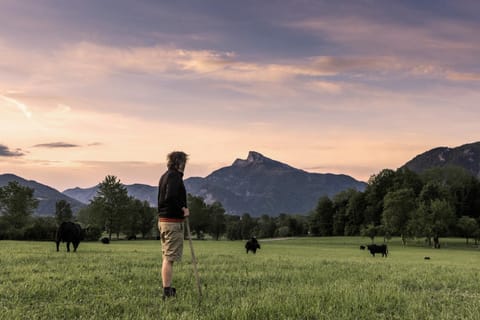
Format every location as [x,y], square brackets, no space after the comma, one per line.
[46,195]
[260,185]
[466,156]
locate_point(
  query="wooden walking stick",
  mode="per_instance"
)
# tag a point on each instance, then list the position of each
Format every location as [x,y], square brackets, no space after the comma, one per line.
[194,260]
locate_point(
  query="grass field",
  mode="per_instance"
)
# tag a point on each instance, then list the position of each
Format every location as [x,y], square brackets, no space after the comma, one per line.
[308,278]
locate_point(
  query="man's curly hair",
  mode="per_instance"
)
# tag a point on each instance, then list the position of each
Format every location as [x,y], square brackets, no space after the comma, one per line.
[176,159]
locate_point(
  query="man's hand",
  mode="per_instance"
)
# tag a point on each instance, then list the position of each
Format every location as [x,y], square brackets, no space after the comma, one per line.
[186,212]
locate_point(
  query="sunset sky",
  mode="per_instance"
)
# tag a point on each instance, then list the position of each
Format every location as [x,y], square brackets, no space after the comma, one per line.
[94,87]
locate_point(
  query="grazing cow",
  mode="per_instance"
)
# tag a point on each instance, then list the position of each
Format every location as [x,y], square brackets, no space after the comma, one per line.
[105,240]
[132,237]
[426,258]
[252,245]
[69,232]
[362,247]
[373,248]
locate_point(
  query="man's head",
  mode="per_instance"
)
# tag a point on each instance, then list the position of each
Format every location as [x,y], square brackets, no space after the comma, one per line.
[177,160]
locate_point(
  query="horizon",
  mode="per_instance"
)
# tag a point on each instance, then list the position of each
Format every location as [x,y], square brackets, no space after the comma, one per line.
[92,88]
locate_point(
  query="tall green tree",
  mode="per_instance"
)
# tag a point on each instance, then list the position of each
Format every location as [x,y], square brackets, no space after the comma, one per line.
[435,214]
[433,220]
[148,218]
[340,205]
[130,223]
[63,212]
[111,202]
[217,225]
[399,206]
[468,227]
[199,219]
[321,220]
[354,213]
[17,204]
[378,186]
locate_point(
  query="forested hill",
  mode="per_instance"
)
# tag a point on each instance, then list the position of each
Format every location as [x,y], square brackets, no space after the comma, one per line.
[259,185]
[466,156]
[46,195]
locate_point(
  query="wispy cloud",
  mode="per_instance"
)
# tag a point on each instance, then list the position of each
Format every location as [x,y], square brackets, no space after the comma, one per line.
[56,145]
[10,102]
[6,152]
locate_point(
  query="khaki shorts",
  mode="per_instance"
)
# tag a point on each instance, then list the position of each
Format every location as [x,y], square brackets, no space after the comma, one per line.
[171,234]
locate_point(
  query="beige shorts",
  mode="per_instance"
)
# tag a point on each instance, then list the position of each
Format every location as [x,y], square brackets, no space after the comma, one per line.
[171,234]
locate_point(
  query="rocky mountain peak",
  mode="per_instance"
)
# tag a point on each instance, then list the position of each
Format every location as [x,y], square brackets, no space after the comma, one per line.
[256,159]
[254,156]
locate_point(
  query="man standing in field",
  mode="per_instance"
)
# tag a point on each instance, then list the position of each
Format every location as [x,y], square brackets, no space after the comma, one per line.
[172,210]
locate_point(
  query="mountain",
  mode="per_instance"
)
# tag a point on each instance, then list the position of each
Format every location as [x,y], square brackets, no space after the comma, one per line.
[46,195]
[259,185]
[466,156]
[142,192]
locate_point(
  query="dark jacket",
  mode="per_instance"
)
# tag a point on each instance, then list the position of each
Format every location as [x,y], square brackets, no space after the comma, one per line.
[172,196]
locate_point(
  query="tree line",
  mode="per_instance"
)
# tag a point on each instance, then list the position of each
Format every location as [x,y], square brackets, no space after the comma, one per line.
[439,202]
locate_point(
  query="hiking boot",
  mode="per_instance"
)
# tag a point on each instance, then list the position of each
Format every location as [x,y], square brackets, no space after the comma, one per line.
[169,292]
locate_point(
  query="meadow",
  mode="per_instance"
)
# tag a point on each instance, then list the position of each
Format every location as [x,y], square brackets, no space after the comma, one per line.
[306,278]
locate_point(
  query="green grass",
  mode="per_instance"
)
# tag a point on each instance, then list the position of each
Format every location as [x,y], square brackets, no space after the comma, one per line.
[310,278]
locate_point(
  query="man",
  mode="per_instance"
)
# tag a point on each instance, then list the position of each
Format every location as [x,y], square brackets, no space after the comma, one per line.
[172,210]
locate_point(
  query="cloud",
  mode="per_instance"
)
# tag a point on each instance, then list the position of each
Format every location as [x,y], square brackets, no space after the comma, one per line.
[17,104]
[457,76]
[56,145]
[95,144]
[6,152]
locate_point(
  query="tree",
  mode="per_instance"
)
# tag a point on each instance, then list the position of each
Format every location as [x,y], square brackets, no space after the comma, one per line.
[378,186]
[41,228]
[216,214]
[198,215]
[266,227]
[147,218]
[111,202]
[131,221]
[434,219]
[247,226]
[468,227]
[398,209]
[370,231]
[321,220]
[63,212]
[340,205]
[354,213]
[462,188]
[17,204]
[233,227]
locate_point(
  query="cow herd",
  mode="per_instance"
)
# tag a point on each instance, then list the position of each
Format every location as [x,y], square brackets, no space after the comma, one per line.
[71,232]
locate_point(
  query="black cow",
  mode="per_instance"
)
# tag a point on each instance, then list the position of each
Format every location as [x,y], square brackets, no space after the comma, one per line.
[373,248]
[132,237]
[252,245]
[105,240]
[69,232]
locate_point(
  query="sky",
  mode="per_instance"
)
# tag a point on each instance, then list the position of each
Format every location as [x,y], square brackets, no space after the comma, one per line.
[109,87]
